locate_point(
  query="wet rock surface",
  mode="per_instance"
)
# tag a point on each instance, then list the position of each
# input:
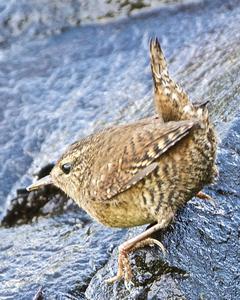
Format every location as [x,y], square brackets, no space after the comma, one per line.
[57,89]
[30,19]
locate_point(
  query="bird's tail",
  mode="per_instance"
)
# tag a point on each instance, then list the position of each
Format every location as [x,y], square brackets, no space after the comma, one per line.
[171,102]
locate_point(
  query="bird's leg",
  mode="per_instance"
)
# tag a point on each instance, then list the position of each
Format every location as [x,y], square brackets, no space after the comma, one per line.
[204,196]
[124,269]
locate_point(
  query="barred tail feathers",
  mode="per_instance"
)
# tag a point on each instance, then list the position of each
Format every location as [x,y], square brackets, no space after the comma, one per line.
[169,98]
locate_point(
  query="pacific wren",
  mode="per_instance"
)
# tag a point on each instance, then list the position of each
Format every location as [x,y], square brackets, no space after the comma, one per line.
[143,172]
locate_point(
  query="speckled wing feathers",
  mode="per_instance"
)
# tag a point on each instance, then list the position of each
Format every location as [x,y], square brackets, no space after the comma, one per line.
[134,158]
[140,175]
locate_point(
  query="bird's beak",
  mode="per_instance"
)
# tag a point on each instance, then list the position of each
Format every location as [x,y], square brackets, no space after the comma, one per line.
[41,182]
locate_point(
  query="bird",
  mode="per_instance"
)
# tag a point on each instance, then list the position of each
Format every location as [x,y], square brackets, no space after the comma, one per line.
[145,171]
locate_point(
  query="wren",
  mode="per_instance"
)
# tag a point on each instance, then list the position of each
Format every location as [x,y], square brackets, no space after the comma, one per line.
[142,172]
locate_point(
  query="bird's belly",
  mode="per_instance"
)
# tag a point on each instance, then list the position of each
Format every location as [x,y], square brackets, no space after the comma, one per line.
[124,210]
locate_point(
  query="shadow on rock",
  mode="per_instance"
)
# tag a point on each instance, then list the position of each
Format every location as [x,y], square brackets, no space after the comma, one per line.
[27,206]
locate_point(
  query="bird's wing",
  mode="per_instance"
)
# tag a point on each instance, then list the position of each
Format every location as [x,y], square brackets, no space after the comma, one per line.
[170,98]
[132,153]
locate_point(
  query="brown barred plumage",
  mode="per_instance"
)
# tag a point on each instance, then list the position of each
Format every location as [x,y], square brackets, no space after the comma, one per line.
[143,172]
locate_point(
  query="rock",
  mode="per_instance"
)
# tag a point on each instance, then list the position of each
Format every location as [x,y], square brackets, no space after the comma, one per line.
[57,89]
[47,201]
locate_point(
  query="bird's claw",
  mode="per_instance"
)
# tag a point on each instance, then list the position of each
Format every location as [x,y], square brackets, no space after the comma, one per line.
[150,242]
[128,284]
[124,268]
[205,196]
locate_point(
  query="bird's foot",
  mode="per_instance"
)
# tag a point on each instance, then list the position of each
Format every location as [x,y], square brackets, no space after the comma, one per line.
[124,268]
[205,196]
[149,242]
[143,239]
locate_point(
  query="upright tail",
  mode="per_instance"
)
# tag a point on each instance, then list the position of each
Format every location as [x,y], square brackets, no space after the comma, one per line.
[171,102]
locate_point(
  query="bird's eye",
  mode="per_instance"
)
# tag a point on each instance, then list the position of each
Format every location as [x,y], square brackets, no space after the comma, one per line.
[66,168]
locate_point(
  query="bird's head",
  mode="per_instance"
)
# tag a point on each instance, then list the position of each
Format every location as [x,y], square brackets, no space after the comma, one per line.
[67,173]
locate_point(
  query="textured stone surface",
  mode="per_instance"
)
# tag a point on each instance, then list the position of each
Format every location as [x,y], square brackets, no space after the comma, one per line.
[56,89]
